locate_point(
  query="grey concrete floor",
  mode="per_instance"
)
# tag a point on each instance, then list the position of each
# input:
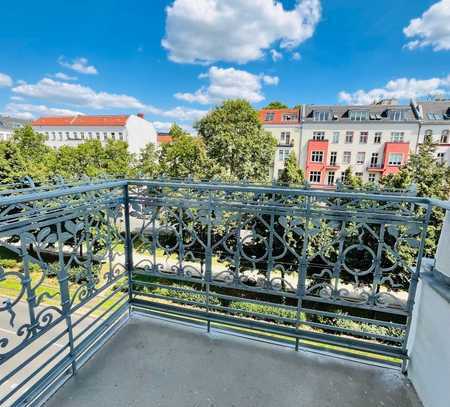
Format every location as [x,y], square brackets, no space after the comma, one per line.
[150,362]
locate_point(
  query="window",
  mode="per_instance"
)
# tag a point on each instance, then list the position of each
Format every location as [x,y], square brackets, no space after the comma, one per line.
[53,135]
[320,116]
[314,177]
[290,117]
[444,137]
[435,116]
[105,136]
[319,135]
[75,135]
[67,135]
[377,138]
[359,115]
[335,137]
[120,135]
[97,134]
[372,177]
[342,176]
[397,136]
[317,156]
[269,116]
[396,115]
[82,135]
[395,158]
[440,157]
[113,135]
[90,135]
[330,180]
[283,154]
[374,160]
[285,137]
[359,174]
[280,172]
[333,156]
[349,137]
[361,157]
[347,158]
[60,135]
[363,137]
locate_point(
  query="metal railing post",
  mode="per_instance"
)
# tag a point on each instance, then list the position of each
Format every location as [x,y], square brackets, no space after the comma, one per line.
[128,243]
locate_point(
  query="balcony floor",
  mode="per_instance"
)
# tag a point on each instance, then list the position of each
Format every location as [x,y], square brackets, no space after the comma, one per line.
[151,362]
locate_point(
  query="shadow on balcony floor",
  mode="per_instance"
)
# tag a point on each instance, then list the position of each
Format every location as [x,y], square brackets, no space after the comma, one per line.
[150,362]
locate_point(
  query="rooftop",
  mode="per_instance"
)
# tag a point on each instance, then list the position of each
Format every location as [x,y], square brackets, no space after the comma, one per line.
[82,120]
[159,363]
[279,116]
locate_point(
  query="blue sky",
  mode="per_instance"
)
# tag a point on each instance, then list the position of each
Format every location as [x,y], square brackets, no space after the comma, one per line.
[175,59]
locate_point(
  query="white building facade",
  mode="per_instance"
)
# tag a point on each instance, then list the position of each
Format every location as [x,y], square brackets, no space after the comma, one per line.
[74,130]
[284,125]
[434,122]
[8,125]
[373,140]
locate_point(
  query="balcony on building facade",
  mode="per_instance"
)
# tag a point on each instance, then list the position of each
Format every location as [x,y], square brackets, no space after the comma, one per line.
[375,167]
[287,143]
[148,291]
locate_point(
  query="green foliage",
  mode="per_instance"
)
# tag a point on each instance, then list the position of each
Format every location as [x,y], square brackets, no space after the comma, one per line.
[431,179]
[236,142]
[351,180]
[148,165]
[184,157]
[276,105]
[292,173]
[25,154]
[8,263]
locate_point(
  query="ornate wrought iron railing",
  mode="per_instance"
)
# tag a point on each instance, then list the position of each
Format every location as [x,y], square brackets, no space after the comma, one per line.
[335,271]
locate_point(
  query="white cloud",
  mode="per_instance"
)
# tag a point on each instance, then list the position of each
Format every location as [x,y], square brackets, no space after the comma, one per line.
[5,80]
[205,31]
[29,111]
[80,65]
[164,127]
[402,88]
[84,96]
[431,29]
[229,83]
[276,56]
[296,56]
[76,94]
[64,77]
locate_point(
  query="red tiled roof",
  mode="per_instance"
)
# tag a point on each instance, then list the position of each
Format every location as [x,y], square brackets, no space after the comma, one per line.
[81,120]
[164,138]
[278,116]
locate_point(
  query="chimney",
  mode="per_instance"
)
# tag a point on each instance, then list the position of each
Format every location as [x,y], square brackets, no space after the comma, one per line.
[141,115]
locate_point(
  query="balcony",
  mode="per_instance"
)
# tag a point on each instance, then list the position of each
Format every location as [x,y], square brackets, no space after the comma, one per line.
[147,292]
[287,143]
[375,167]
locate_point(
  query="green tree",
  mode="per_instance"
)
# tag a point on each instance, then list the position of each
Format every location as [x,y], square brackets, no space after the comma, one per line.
[26,154]
[276,105]
[176,131]
[148,165]
[431,179]
[292,173]
[351,180]
[236,142]
[183,157]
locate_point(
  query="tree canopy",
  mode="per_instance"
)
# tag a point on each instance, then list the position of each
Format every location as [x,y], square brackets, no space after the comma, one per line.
[292,173]
[276,105]
[236,142]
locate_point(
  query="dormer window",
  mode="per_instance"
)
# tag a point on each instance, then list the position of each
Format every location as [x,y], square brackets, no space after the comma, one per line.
[289,117]
[435,116]
[321,116]
[269,116]
[396,115]
[358,115]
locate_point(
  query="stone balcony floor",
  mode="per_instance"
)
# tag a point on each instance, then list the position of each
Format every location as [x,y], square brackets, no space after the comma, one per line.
[152,362]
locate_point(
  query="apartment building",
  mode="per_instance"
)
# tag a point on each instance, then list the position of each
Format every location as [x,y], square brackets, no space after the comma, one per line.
[8,125]
[284,125]
[374,140]
[434,122]
[74,130]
